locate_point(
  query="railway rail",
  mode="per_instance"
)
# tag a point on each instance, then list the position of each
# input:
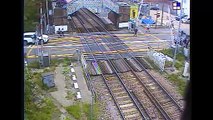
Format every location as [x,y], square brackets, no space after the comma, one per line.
[126,113]
[168,107]
[163,105]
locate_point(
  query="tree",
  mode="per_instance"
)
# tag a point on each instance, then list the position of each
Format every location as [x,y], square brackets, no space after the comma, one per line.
[31,14]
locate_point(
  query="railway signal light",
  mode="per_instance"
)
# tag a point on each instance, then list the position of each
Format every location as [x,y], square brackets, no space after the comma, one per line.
[176,5]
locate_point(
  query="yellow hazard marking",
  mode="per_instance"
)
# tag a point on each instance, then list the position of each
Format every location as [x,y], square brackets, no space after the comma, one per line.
[31,48]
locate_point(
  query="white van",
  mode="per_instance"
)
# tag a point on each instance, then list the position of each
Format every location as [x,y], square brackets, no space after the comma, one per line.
[28,38]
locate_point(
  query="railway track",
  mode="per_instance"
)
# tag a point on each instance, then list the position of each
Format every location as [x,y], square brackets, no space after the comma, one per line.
[165,102]
[125,101]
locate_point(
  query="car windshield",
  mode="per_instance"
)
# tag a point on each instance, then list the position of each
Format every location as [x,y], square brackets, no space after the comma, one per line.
[28,36]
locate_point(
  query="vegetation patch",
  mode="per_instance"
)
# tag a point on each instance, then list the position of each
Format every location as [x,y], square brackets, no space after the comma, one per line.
[179,82]
[31,110]
[81,110]
[34,64]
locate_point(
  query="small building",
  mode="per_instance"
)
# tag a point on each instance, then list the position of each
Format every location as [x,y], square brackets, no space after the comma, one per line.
[48,79]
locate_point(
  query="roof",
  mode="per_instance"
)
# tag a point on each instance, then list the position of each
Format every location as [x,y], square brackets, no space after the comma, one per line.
[122,4]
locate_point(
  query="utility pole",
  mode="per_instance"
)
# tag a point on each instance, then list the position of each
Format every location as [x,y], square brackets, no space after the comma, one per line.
[178,37]
[162,14]
[47,9]
[41,20]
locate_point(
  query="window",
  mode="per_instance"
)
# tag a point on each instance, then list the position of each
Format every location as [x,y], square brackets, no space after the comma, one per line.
[28,36]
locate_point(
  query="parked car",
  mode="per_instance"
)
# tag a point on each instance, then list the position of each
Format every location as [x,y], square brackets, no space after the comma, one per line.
[185,20]
[154,8]
[180,17]
[29,38]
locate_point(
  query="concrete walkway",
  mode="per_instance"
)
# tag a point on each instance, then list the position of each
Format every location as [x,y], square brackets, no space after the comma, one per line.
[85,93]
[61,93]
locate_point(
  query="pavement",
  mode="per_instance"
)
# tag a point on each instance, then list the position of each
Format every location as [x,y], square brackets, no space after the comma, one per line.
[166,22]
[85,93]
[61,93]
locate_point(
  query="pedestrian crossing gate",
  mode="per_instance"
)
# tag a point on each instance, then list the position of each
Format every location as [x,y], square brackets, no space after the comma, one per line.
[93,5]
[158,58]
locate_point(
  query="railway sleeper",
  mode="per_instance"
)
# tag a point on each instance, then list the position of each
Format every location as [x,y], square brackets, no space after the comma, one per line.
[123,102]
[131,110]
[168,105]
[114,85]
[163,101]
[122,97]
[176,116]
[135,113]
[133,117]
[117,89]
[118,94]
[130,105]
[157,92]
[159,96]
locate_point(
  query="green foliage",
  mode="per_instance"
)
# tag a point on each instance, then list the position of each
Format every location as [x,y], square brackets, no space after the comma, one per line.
[168,64]
[179,58]
[76,110]
[31,13]
[181,84]
[178,65]
[167,52]
[50,69]
[70,95]
[31,110]
[55,62]
[34,64]
[66,70]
